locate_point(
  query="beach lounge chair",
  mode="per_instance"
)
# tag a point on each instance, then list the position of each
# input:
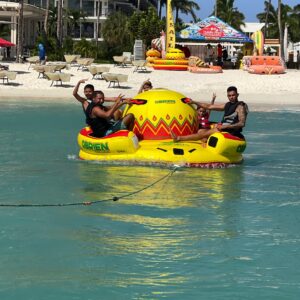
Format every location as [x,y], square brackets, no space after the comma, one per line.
[42,69]
[114,78]
[119,61]
[4,67]
[129,58]
[71,58]
[58,66]
[33,60]
[7,75]
[97,71]
[140,65]
[84,63]
[58,77]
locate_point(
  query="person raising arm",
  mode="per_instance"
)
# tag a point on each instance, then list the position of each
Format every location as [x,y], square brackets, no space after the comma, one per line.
[234,119]
[98,117]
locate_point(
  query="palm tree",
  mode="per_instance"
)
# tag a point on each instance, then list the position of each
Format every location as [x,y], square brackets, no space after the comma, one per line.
[186,7]
[115,33]
[267,17]
[59,29]
[73,18]
[46,17]
[19,56]
[162,3]
[273,26]
[226,11]
[97,27]
[280,29]
[294,23]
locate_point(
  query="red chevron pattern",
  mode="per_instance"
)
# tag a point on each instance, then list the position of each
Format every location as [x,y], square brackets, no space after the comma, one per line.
[148,131]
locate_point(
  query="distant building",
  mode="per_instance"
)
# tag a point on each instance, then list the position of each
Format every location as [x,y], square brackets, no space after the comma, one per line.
[34,14]
[250,27]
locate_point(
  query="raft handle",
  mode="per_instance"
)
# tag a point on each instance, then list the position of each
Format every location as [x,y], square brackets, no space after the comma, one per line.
[178,151]
[213,141]
[162,149]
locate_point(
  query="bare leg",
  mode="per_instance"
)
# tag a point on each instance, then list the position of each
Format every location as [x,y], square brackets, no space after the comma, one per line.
[128,120]
[117,115]
[200,135]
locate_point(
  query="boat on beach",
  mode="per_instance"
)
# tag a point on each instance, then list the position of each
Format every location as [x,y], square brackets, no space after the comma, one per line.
[158,112]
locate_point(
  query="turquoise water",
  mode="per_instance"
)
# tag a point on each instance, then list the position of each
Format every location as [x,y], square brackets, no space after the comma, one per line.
[199,234]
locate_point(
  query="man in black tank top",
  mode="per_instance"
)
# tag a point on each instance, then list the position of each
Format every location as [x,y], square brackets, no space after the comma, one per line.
[234,119]
[99,117]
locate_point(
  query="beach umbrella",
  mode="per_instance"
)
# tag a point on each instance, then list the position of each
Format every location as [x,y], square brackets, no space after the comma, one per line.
[5,43]
[213,29]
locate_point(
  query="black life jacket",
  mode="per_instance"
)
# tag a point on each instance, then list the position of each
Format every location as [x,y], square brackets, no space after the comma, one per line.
[231,117]
[98,125]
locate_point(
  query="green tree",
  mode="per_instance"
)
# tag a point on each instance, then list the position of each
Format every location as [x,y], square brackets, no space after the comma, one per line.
[4,31]
[116,34]
[145,25]
[267,16]
[84,48]
[20,32]
[294,24]
[186,7]
[226,11]
[280,28]
[162,3]
[73,18]
[46,17]
[288,18]
[59,28]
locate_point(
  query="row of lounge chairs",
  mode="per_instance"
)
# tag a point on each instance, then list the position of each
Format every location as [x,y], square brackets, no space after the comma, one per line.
[52,71]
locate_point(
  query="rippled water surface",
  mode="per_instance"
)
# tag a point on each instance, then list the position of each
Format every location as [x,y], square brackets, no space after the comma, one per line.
[199,234]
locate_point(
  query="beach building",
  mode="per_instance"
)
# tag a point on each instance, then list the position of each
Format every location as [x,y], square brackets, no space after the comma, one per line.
[34,14]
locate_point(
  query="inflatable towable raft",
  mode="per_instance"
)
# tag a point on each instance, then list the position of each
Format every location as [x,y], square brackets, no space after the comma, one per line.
[156,113]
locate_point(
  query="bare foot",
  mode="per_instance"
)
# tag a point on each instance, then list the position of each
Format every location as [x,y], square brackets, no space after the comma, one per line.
[174,136]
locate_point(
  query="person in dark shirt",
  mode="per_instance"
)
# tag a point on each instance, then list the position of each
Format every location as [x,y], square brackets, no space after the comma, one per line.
[100,117]
[88,93]
[220,55]
[234,119]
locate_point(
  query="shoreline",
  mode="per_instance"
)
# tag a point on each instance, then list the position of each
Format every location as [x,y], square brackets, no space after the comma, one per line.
[260,92]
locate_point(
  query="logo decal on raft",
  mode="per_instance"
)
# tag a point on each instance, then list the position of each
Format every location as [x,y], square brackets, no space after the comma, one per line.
[165,102]
[99,147]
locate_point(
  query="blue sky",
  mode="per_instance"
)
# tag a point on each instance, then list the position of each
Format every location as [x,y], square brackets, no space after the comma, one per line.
[250,8]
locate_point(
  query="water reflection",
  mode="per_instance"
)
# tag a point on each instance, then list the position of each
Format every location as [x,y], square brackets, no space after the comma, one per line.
[158,229]
[185,188]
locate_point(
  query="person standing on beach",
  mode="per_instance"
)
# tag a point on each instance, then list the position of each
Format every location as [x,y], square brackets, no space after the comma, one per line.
[42,54]
[210,54]
[234,119]
[100,117]
[220,55]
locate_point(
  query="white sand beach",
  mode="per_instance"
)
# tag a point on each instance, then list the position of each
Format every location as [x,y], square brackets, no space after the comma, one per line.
[261,92]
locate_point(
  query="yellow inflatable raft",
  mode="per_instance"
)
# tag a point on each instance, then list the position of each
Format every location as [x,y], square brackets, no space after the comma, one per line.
[157,112]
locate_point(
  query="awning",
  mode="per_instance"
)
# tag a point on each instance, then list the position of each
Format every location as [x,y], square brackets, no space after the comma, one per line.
[5,43]
[213,29]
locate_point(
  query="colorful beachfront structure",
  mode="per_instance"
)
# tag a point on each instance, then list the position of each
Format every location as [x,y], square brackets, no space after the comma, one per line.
[34,14]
